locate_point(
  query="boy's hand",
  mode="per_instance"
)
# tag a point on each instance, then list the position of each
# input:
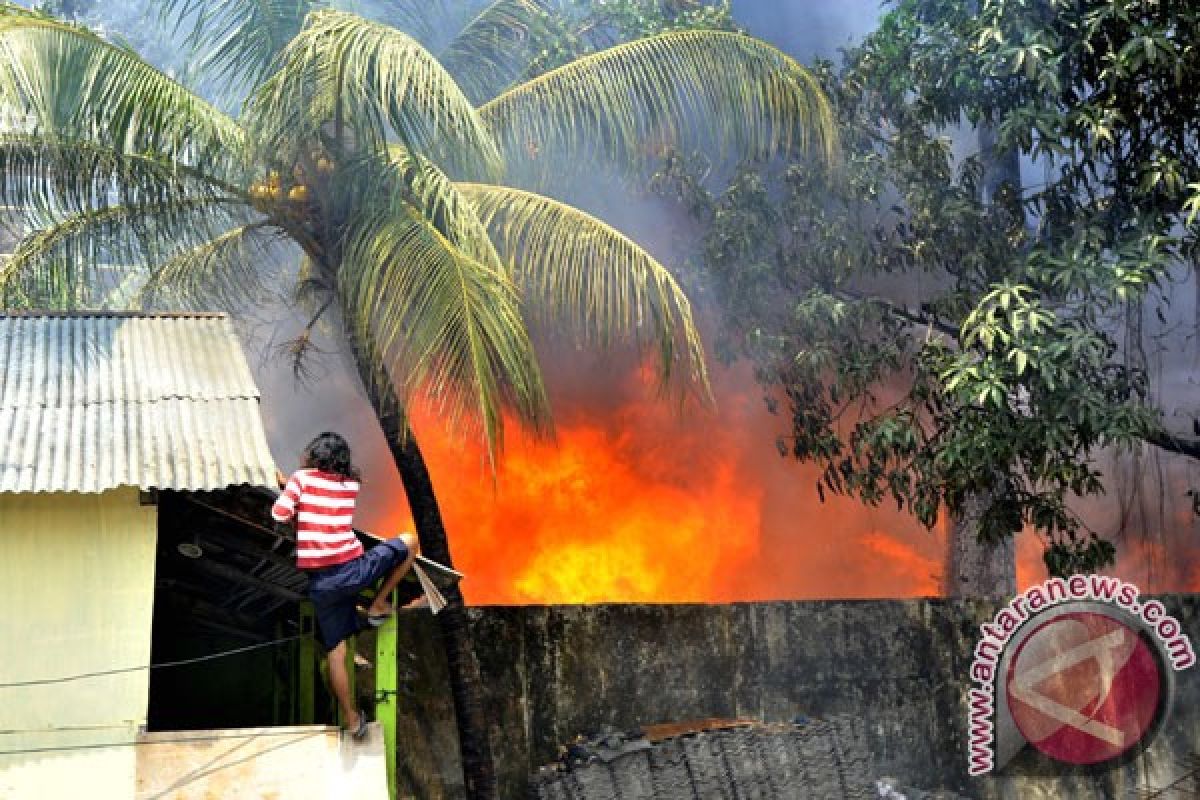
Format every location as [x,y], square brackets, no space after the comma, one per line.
[280,478]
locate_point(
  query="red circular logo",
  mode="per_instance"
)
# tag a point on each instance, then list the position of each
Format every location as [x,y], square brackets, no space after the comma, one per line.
[1084,687]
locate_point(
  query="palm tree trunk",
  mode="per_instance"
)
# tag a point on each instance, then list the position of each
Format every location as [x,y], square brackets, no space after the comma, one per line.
[479,773]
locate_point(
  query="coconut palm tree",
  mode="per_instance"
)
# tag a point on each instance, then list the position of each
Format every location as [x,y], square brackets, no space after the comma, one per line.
[359,152]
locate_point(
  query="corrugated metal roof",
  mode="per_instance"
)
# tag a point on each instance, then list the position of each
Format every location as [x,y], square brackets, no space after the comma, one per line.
[91,401]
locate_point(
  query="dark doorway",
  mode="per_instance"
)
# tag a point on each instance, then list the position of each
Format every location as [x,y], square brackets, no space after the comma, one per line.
[226,581]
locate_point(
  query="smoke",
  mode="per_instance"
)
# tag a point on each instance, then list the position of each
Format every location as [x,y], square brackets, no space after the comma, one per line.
[1148,511]
[637,501]
[807,30]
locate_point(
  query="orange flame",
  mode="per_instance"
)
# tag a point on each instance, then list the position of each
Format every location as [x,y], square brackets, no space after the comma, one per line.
[636,502]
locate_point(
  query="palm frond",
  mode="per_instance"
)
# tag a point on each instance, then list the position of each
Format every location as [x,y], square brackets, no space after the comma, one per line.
[449,328]
[50,177]
[236,41]
[574,270]
[414,179]
[495,47]
[80,259]
[65,79]
[684,89]
[224,271]
[357,81]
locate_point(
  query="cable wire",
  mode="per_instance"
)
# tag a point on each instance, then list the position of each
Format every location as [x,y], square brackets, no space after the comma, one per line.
[181,662]
[182,739]
[96,745]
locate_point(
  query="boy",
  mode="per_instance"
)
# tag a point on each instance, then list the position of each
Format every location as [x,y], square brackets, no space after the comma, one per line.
[321,497]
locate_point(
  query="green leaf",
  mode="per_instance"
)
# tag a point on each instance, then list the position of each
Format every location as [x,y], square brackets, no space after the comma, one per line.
[75,85]
[448,326]
[580,273]
[632,102]
[367,81]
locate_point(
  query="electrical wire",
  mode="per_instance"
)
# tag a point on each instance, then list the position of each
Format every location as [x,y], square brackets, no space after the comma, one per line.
[102,673]
[182,739]
[179,663]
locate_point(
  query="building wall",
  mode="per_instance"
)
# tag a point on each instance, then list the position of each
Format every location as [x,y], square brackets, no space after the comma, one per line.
[302,762]
[900,666]
[76,596]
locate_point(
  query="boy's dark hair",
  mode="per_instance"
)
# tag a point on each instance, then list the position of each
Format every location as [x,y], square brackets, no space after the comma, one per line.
[329,452]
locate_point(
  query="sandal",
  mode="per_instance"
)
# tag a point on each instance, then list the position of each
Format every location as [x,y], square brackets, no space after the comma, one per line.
[360,733]
[376,620]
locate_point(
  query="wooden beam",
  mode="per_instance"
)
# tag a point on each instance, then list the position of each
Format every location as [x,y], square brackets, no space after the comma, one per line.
[221,627]
[281,532]
[246,548]
[230,573]
[182,587]
[203,608]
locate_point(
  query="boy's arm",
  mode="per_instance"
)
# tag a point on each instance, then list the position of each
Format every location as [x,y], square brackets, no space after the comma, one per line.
[285,506]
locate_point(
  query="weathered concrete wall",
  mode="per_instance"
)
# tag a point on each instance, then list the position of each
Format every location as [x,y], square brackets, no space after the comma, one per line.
[554,672]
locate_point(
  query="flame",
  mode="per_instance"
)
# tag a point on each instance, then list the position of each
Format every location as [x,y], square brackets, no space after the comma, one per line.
[1156,546]
[1031,568]
[636,501]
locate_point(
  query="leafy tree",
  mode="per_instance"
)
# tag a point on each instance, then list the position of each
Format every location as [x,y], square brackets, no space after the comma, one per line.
[358,150]
[940,341]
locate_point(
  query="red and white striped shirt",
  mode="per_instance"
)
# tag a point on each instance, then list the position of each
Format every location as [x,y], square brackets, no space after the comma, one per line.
[323,505]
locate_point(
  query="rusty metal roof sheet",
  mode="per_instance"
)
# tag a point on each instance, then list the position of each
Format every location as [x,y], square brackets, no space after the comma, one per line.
[92,401]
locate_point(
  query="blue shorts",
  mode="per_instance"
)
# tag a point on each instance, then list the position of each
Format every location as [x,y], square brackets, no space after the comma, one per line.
[334,590]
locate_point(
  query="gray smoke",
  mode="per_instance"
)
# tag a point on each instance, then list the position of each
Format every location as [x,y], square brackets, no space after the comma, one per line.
[1147,496]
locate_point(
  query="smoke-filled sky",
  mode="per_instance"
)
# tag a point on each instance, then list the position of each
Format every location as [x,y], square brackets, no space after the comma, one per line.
[637,501]
[808,28]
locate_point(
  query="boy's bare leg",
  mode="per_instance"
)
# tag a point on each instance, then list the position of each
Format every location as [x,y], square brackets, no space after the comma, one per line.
[382,605]
[339,681]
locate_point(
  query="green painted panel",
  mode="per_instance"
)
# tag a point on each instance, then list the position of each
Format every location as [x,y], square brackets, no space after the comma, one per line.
[351,675]
[386,686]
[306,669]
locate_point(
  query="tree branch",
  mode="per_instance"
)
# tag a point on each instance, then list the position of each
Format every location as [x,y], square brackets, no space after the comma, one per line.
[1160,437]
[900,312]
[1164,440]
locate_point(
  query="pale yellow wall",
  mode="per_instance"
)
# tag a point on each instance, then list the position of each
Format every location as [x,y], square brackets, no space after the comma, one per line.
[76,596]
[304,762]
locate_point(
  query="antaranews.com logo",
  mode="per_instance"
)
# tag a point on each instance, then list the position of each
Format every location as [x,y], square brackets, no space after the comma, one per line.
[1080,668]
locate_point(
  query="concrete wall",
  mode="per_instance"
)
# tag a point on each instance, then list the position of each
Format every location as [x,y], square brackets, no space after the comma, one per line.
[554,672]
[76,595]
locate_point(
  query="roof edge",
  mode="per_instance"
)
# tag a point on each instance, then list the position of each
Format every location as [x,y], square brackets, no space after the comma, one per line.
[141,487]
[52,314]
